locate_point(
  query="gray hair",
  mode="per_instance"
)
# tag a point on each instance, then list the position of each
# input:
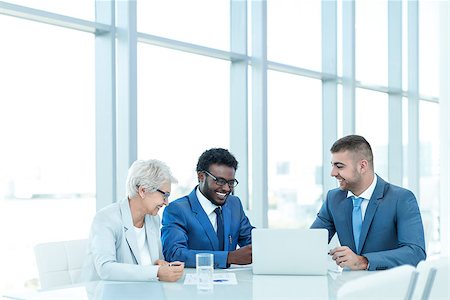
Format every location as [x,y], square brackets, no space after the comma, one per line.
[150,174]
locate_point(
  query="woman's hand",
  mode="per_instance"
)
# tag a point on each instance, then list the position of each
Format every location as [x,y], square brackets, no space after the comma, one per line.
[171,271]
[161,262]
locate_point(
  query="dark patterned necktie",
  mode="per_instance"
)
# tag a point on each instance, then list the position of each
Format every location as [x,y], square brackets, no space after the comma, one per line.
[219,219]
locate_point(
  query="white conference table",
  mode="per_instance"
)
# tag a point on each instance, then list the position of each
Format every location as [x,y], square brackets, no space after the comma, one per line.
[249,287]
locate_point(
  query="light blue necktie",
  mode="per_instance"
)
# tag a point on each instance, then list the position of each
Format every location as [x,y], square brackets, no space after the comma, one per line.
[357,220]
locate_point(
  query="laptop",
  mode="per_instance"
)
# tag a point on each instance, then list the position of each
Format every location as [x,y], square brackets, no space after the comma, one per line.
[290,251]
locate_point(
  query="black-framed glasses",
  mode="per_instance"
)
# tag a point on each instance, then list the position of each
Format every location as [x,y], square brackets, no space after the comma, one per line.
[222,181]
[166,195]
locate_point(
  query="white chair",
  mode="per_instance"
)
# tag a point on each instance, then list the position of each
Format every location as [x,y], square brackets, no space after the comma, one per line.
[434,279]
[396,283]
[60,263]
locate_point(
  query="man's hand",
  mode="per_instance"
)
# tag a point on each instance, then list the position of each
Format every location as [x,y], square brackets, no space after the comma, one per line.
[241,256]
[345,257]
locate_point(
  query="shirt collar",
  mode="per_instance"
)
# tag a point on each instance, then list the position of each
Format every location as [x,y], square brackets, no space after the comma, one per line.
[207,206]
[367,194]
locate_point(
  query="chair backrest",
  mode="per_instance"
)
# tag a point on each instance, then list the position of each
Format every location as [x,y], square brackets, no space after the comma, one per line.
[396,283]
[439,288]
[60,263]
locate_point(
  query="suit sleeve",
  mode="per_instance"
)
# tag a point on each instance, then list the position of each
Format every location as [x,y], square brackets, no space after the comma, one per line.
[324,219]
[411,242]
[174,236]
[103,252]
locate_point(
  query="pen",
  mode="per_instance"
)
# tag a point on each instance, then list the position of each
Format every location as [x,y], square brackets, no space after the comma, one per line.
[231,240]
[220,280]
[174,265]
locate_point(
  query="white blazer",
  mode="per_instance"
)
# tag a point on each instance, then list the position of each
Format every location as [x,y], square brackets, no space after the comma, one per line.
[113,253]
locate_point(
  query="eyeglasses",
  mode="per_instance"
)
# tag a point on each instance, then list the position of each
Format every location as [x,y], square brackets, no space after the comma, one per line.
[222,181]
[166,195]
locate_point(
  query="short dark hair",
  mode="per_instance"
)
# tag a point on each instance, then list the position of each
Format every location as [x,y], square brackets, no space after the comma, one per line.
[354,143]
[218,156]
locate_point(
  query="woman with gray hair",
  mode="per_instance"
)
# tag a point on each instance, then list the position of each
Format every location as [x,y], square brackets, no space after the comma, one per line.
[124,242]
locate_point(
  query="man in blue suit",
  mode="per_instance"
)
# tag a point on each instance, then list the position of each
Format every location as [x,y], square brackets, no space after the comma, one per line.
[210,219]
[378,224]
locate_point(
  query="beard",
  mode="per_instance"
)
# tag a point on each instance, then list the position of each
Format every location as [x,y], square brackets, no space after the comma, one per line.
[212,194]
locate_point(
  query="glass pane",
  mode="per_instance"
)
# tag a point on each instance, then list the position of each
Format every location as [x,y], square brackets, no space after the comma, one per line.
[371,109]
[250,203]
[47,119]
[340,110]
[405,140]
[83,9]
[183,109]
[405,44]
[371,41]
[202,22]
[429,47]
[294,150]
[339,37]
[294,33]
[429,172]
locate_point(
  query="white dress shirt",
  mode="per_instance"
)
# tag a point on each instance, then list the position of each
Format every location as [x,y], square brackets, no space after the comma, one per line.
[208,207]
[366,195]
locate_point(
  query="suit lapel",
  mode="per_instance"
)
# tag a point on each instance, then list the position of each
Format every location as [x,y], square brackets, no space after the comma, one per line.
[347,208]
[203,220]
[150,231]
[371,210]
[226,213]
[130,235]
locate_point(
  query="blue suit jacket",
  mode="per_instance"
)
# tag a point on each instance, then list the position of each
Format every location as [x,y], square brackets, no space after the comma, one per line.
[392,230]
[187,230]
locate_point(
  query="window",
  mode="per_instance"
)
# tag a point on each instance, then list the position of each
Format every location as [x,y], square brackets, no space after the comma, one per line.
[371,41]
[83,9]
[429,173]
[294,164]
[429,45]
[293,33]
[201,22]
[183,110]
[47,121]
[371,121]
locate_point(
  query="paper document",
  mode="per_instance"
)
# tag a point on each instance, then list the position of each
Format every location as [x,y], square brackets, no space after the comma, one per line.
[218,278]
[234,267]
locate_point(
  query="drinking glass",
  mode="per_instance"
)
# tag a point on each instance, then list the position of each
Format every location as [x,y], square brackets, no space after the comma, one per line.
[205,269]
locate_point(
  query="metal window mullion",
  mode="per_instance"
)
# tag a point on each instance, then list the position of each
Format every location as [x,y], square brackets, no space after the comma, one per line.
[259,114]
[238,96]
[43,16]
[189,47]
[126,90]
[413,98]
[276,66]
[329,87]
[105,107]
[444,111]
[348,65]
[395,142]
